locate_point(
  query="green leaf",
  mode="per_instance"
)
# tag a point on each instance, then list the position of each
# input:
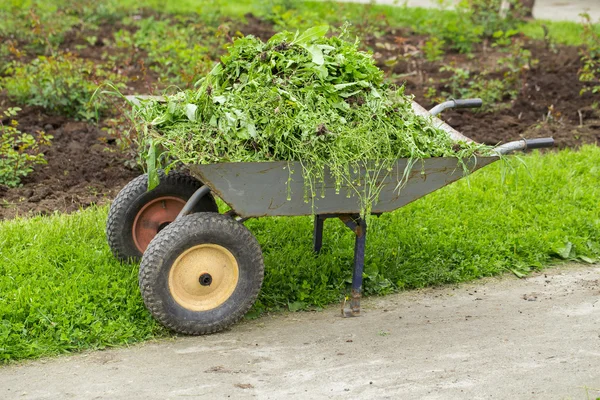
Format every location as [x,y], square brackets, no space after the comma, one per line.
[281,37]
[587,260]
[297,305]
[344,85]
[517,273]
[316,53]
[243,134]
[153,179]
[251,130]
[321,71]
[311,34]
[564,252]
[190,111]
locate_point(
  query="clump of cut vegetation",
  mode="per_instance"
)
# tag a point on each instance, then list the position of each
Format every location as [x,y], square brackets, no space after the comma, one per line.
[298,97]
[61,84]
[19,152]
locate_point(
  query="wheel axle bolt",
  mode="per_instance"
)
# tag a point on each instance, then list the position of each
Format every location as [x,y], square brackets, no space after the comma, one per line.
[205,279]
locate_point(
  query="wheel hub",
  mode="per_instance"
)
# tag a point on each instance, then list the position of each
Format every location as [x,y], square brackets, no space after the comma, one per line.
[154,217]
[203,277]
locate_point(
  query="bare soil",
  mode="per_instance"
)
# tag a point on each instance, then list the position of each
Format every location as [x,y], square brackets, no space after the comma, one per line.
[500,338]
[86,165]
[549,102]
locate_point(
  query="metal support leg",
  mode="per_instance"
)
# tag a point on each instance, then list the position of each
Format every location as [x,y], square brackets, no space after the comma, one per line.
[318,233]
[359,227]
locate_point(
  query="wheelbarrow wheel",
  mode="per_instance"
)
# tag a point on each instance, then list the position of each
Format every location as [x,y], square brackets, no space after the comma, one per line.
[201,274]
[137,215]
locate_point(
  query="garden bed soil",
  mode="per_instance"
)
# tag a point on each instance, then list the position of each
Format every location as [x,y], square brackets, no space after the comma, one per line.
[86,166]
[549,102]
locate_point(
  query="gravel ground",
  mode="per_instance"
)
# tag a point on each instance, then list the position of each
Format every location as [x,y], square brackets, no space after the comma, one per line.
[544,9]
[496,338]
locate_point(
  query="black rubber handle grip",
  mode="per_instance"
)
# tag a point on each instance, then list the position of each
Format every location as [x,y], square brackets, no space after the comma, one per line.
[468,103]
[539,143]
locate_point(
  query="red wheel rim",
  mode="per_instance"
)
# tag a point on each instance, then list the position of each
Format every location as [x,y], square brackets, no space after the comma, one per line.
[153,217]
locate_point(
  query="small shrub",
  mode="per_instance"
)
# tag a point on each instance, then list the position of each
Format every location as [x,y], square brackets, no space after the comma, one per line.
[19,152]
[590,57]
[456,31]
[181,51]
[490,16]
[433,49]
[62,84]
[285,15]
[472,21]
[487,85]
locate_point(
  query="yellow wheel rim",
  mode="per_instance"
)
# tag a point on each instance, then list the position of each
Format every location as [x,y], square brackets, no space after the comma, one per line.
[203,277]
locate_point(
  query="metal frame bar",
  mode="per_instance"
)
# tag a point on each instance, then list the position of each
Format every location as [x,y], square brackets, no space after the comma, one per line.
[359,227]
[193,201]
[318,233]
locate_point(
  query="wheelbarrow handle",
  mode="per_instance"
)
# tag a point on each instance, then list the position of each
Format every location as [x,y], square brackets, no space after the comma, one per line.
[462,103]
[539,143]
[468,103]
[524,144]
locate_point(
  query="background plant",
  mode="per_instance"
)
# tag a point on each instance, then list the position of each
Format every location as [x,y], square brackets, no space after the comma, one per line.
[19,152]
[180,49]
[491,16]
[473,21]
[496,87]
[61,84]
[590,57]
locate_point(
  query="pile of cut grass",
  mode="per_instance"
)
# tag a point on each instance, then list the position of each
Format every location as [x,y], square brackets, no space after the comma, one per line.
[297,97]
[61,290]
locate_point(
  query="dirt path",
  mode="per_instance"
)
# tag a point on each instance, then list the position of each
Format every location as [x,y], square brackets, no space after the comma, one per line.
[556,10]
[498,338]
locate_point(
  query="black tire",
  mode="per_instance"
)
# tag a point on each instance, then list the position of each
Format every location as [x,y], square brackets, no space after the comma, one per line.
[132,199]
[191,232]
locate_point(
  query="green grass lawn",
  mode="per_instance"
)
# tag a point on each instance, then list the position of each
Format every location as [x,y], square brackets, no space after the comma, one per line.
[61,290]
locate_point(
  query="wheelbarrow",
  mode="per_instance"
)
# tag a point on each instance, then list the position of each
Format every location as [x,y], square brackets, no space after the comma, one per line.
[201,271]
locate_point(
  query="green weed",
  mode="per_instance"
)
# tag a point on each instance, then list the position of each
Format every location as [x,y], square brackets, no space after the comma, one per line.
[496,87]
[61,84]
[433,49]
[297,97]
[590,58]
[180,50]
[19,152]
[62,290]
[490,15]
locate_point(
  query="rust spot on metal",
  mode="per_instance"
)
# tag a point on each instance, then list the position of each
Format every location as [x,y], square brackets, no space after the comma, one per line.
[344,218]
[354,307]
[359,231]
[273,207]
[355,301]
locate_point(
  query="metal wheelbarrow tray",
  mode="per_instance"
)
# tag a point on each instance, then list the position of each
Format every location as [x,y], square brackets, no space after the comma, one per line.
[203,271]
